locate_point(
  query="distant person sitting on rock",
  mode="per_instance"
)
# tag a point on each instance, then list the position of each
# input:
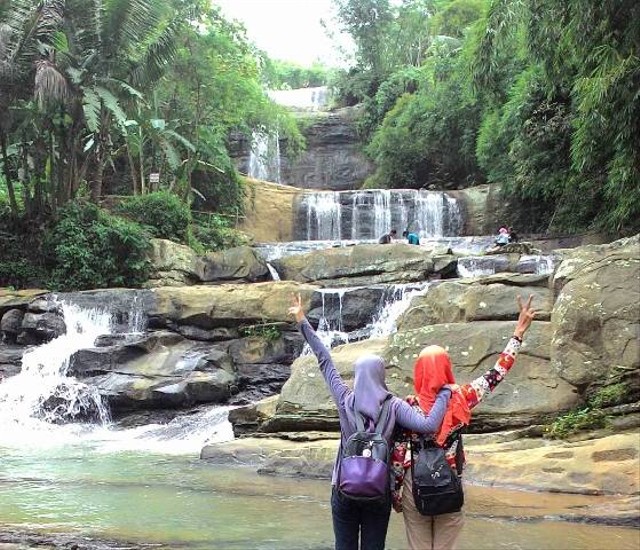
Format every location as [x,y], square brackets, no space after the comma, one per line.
[513,236]
[503,237]
[388,238]
[412,238]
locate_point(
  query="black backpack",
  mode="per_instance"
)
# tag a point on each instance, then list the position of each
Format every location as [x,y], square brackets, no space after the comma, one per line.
[364,467]
[437,488]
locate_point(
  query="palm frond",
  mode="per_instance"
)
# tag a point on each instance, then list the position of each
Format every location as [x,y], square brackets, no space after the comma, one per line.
[112,105]
[190,146]
[155,59]
[50,85]
[91,106]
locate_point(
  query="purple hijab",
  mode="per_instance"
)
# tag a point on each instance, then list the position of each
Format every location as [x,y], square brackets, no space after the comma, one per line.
[369,388]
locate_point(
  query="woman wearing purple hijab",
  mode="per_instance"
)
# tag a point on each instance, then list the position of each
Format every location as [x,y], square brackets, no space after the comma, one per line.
[356,520]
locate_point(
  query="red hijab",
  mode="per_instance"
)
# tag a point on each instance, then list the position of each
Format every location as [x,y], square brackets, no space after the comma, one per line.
[432,371]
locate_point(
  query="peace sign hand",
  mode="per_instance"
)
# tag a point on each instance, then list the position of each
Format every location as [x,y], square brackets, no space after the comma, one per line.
[527,313]
[296,307]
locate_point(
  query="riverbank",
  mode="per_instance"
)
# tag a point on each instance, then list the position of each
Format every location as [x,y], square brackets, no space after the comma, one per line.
[603,471]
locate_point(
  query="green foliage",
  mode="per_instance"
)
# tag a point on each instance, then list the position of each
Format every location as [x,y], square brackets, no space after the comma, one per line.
[590,416]
[286,75]
[268,332]
[90,248]
[214,232]
[163,213]
[574,422]
[455,18]
[611,395]
[21,263]
[429,136]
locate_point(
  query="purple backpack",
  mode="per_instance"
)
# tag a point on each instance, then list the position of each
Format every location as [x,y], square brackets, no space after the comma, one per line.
[364,468]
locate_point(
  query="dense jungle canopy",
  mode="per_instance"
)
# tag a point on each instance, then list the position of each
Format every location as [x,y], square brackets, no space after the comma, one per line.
[541,96]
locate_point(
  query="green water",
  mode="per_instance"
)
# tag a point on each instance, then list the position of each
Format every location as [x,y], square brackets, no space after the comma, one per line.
[182,502]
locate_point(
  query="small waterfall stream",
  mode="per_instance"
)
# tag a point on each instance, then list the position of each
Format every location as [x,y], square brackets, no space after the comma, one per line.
[366,215]
[44,406]
[264,156]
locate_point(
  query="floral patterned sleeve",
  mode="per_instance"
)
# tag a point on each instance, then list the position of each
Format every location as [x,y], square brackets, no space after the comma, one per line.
[475,391]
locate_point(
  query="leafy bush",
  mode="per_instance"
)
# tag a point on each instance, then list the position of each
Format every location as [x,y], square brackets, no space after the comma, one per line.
[213,232]
[590,416]
[609,396]
[166,216]
[576,421]
[93,249]
[20,253]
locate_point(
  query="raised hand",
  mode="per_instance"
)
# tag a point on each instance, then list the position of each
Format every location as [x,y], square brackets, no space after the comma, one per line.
[527,313]
[296,307]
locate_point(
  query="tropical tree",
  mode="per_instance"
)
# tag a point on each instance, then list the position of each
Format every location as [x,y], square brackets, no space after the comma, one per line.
[71,75]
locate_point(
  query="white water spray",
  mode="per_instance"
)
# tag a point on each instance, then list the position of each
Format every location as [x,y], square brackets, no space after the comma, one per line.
[42,393]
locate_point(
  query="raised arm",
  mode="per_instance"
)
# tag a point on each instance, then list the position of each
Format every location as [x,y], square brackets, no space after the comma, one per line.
[475,391]
[333,379]
[411,419]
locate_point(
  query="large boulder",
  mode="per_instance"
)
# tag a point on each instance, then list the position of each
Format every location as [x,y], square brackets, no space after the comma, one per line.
[596,317]
[532,392]
[239,264]
[208,307]
[18,299]
[365,264]
[305,403]
[160,370]
[173,264]
[456,302]
[11,325]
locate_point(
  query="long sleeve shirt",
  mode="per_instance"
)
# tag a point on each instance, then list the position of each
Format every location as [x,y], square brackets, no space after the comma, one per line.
[400,412]
[474,392]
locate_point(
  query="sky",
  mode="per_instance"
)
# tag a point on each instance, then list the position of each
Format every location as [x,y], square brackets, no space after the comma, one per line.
[286,29]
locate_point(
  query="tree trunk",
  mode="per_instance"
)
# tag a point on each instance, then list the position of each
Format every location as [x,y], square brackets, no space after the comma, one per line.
[7,175]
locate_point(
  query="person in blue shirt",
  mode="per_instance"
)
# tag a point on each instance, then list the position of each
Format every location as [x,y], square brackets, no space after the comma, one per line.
[412,238]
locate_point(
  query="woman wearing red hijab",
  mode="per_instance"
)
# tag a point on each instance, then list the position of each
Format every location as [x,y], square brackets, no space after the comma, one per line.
[431,372]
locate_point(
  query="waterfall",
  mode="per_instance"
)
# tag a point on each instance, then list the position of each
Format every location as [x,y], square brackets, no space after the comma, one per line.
[264,158]
[274,273]
[368,214]
[39,404]
[313,99]
[42,393]
[323,216]
[330,327]
[396,301]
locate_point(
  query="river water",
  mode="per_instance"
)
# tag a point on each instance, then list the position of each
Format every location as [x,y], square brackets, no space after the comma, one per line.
[174,501]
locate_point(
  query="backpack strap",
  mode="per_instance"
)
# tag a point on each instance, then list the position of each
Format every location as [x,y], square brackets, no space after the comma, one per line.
[382,420]
[383,417]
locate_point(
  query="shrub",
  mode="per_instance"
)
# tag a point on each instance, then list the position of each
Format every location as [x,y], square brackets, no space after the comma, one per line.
[166,216]
[576,421]
[214,232]
[93,249]
[590,416]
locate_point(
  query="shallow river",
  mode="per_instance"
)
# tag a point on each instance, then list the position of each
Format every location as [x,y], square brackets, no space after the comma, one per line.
[178,501]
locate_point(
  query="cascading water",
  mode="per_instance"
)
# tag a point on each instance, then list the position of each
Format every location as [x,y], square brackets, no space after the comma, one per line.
[324,216]
[264,157]
[311,99]
[42,406]
[366,215]
[396,301]
[42,393]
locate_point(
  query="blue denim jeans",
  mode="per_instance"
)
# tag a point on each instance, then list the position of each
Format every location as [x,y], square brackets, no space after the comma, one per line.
[355,520]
